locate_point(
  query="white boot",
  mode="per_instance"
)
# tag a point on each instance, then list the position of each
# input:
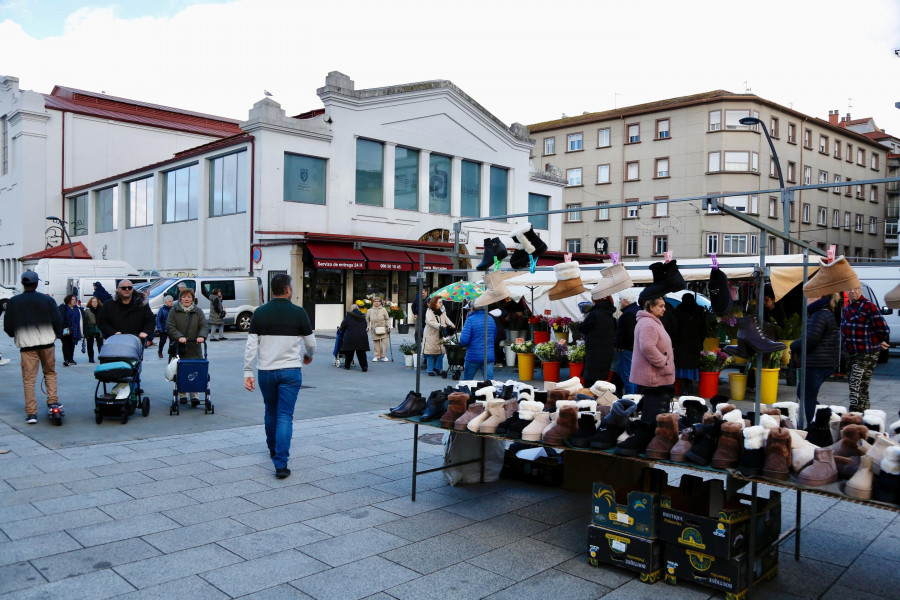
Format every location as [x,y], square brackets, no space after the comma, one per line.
[497,415]
[534,431]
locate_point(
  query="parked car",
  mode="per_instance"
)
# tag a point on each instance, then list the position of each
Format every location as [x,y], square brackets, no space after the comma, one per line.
[241,296]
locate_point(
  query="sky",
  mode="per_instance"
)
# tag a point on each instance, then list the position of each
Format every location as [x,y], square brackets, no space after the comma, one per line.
[525,61]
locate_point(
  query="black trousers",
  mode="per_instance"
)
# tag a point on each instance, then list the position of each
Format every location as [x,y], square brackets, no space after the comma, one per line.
[360,358]
[68,348]
[90,344]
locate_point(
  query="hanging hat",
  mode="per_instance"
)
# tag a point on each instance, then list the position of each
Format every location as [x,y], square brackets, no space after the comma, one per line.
[838,276]
[568,281]
[613,279]
[719,292]
[495,290]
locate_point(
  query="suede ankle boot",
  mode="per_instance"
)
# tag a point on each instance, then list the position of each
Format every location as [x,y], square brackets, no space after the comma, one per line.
[587,427]
[496,416]
[683,445]
[613,424]
[819,431]
[666,437]
[753,457]
[457,402]
[472,411]
[640,434]
[705,439]
[435,406]
[778,454]
[831,277]
[694,409]
[881,444]
[752,335]
[565,427]
[493,248]
[822,471]
[474,424]
[554,396]
[535,429]
[851,435]
[860,485]
[728,450]
[887,488]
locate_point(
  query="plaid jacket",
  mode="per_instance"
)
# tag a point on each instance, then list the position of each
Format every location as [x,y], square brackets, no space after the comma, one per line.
[863,328]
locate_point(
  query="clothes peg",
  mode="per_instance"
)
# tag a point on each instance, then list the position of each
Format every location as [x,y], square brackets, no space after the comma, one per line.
[532,263]
[715,261]
[615,257]
[567,257]
[497,262]
[832,250]
[668,255]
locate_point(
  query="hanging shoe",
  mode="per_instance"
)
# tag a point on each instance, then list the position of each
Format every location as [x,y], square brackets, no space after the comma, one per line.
[612,280]
[532,243]
[568,281]
[719,293]
[657,289]
[493,248]
[892,298]
[754,338]
[837,276]
[495,290]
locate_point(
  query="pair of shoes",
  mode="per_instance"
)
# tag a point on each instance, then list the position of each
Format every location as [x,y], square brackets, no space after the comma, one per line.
[282,473]
[31,420]
[66,363]
[213,340]
[223,338]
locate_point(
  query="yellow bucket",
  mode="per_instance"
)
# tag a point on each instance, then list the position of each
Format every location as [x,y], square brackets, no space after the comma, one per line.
[738,385]
[711,344]
[768,393]
[526,367]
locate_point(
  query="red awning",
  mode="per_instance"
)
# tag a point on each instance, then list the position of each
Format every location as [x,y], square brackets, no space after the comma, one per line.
[433,262]
[60,252]
[329,255]
[387,260]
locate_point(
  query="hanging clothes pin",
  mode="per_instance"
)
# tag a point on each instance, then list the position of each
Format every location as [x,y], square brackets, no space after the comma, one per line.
[615,257]
[715,261]
[668,255]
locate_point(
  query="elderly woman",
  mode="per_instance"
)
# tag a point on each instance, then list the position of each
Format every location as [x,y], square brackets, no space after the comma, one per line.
[73,328]
[652,360]
[354,339]
[187,326]
[435,321]
[216,316]
[378,323]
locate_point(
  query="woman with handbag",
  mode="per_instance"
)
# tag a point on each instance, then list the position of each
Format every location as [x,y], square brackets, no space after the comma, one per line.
[216,316]
[437,326]
[378,322]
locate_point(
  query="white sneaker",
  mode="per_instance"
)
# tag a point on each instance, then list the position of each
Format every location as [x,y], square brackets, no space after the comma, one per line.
[5,361]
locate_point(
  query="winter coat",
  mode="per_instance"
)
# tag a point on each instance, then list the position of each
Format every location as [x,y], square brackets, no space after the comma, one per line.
[177,327]
[378,317]
[162,317]
[134,317]
[599,330]
[73,321]
[652,361]
[625,327]
[822,337]
[433,323]
[687,343]
[100,293]
[472,337]
[215,310]
[32,319]
[353,332]
[90,321]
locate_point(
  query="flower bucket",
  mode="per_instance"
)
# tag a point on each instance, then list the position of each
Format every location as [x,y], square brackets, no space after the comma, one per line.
[526,367]
[541,336]
[786,353]
[738,384]
[550,370]
[510,357]
[410,360]
[768,392]
[711,344]
[575,370]
[403,328]
[709,384]
[562,336]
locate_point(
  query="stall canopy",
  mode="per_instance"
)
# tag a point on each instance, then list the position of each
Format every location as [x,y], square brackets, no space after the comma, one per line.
[381,259]
[328,255]
[433,262]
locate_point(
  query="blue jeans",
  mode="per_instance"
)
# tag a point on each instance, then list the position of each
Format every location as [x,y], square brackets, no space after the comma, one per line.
[471,368]
[434,362]
[815,377]
[623,368]
[279,390]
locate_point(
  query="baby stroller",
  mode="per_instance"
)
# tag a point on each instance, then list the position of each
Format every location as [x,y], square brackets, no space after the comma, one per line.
[338,355]
[120,365]
[192,376]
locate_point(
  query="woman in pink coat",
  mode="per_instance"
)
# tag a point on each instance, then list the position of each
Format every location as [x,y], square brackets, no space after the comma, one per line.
[653,363]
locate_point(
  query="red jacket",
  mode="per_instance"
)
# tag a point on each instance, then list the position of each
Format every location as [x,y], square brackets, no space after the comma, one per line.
[652,361]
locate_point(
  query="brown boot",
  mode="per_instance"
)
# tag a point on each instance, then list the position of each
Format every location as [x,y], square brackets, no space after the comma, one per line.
[666,437]
[566,425]
[850,419]
[728,452]
[850,437]
[473,411]
[682,446]
[456,409]
[778,454]
[552,397]
[510,407]
[831,278]
[822,471]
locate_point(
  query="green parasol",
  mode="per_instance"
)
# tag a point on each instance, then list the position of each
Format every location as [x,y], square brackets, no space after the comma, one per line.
[460,291]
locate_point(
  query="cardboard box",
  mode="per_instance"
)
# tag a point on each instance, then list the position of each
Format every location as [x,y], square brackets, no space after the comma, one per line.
[730,575]
[630,552]
[701,516]
[630,507]
[545,470]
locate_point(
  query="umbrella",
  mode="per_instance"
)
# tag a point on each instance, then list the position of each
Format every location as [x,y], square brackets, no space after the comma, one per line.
[460,291]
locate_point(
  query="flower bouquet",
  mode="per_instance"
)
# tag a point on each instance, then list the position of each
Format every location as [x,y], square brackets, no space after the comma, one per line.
[526,347]
[539,323]
[713,361]
[576,353]
[364,304]
[395,312]
[551,351]
[559,324]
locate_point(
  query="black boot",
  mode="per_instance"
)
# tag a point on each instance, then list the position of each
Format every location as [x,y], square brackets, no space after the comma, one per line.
[653,404]
[693,413]
[752,335]
[415,408]
[410,398]
[658,287]
[507,392]
[534,245]
[435,406]
[741,350]
[819,431]
[514,429]
[705,439]
[641,432]
[719,293]
[493,248]
[613,425]
[674,280]
[587,427]
[503,427]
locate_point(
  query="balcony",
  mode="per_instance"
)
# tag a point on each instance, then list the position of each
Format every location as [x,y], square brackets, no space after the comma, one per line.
[892,187]
[890,240]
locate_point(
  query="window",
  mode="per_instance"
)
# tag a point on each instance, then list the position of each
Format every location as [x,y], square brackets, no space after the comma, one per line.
[631,246]
[837,179]
[835,219]
[226,287]
[792,133]
[823,144]
[574,176]
[773,207]
[632,212]
[873,163]
[712,243]
[823,178]
[771,243]
[574,142]
[734,243]
[661,209]
[745,204]
[573,217]
[439,170]
[603,138]
[549,146]
[837,149]
[805,215]
[848,189]
[76,211]
[660,244]
[304,179]
[859,223]
[773,128]
[182,194]
[873,225]
[859,192]
[741,161]
[891,228]
[470,189]
[792,172]
[107,209]
[662,129]
[573,245]
[733,120]
[537,203]
[140,202]
[807,138]
[634,133]
[849,154]
[632,171]
[846,220]
[773,168]
[807,175]
[603,213]
[873,193]
[715,120]
[822,219]
[662,167]
[228,189]
[499,191]
[715,162]
[370,173]
[860,156]
[602,173]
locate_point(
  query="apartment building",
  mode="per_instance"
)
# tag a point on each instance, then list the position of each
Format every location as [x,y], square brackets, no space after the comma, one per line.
[695,146]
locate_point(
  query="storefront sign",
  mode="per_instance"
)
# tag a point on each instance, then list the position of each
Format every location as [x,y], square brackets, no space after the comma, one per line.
[336,263]
[389,266]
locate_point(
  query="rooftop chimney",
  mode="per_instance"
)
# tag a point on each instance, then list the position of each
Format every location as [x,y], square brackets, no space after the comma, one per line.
[833,117]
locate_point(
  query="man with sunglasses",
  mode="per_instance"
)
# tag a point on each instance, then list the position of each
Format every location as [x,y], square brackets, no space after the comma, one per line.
[126,313]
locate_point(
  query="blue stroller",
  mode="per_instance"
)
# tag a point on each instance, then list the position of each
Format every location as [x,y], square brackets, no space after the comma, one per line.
[120,365]
[192,376]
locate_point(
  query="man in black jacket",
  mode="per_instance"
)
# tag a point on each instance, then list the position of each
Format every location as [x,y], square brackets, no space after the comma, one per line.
[127,313]
[34,321]
[625,337]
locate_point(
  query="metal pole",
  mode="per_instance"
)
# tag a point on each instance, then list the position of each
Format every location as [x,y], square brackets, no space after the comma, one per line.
[420,331]
[801,384]
[760,299]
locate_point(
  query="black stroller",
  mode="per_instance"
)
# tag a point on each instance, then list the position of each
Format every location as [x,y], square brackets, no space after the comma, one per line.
[120,366]
[192,376]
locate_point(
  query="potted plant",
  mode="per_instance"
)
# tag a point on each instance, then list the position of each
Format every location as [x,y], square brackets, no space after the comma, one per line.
[409,352]
[516,326]
[551,355]
[711,364]
[576,354]
[364,304]
[789,331]
[541,328]
[771,366]
[525,353]
[560,327]
[398,315]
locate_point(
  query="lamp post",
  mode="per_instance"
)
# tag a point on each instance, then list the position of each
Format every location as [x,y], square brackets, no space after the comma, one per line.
[62,225]
[786,198]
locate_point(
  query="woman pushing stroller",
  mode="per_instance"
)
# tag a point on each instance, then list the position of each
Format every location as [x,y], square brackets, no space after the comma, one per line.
[187,326]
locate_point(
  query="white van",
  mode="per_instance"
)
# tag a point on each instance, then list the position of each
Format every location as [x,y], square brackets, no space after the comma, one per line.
[56,273]
[881,280]
[241,296]
[83,287]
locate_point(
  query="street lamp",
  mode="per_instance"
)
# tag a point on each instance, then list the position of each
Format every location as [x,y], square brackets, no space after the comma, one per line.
[785,197]
[62,225]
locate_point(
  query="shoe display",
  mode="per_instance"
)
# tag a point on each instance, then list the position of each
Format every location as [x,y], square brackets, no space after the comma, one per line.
[495,290]
[535,427]
[836,276]
[565,427]
[416,407]
[491,408]
[778,454]
[822,471]
[753,458]
[640,434]
[728,450]
[682,446]
[666,279]
[887,487]
[526,243]
[472,411]
[719,292]
[706,436]
[613,279]
[613,425]
[456,407]
[819,431]
[860,485]
[435,406]
[694,409]
[587,427]
[851,435]
[666,437]
[568,281]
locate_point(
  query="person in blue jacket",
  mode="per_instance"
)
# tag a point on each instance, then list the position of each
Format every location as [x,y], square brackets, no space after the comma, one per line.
[162,318]
[472,337]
